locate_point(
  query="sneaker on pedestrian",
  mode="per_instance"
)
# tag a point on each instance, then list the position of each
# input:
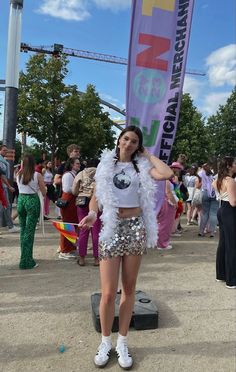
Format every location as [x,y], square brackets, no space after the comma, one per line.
[220,280]
[188,223]
[124,358]
[36,265]
[165,248]
[103,354]
[176,234]
[14,229]
[230,286]
[66,256]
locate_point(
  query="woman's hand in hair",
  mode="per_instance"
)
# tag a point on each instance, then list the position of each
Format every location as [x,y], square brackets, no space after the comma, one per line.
[145,153]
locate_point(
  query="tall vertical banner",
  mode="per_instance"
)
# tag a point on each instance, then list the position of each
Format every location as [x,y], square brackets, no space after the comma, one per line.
[159,41]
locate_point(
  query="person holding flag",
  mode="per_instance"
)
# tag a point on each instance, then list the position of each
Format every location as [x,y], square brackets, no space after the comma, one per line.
[125,191]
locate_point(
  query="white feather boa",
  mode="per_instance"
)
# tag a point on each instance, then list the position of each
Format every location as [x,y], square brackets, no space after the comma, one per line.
[106,197]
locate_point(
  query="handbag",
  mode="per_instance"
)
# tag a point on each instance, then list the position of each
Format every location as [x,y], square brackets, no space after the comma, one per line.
[61,203]
[82,201]
[197,198]
[51,193]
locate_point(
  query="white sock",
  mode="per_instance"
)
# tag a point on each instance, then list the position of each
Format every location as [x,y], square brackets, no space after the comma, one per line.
[107,340]
[121,339]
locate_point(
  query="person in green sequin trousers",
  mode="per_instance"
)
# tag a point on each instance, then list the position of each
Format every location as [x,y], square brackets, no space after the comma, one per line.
[28,208]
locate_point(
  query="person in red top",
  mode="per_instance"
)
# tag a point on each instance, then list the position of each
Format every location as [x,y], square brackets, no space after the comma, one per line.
[39,166]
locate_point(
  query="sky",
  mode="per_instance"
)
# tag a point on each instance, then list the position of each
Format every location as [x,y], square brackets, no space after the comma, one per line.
[103,26]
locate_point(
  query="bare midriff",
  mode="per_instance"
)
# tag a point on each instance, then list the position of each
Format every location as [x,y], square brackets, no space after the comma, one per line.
[129,212]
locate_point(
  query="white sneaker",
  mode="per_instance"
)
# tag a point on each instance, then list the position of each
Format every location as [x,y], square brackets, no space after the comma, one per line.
[166,248]
[176,234]
[124,358]
[103,354]
[231,286]
[14,229]
[36,265]
[66,256]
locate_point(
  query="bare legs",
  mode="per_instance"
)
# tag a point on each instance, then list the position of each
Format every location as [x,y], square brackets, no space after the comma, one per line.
[130,268]
[109,273]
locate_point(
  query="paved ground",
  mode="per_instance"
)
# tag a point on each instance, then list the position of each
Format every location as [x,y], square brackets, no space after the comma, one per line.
[44,308]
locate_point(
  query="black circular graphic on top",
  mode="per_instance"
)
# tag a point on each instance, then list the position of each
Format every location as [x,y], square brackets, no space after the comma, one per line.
[121,180]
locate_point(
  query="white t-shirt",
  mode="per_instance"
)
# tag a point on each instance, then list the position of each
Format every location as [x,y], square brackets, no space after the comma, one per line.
[125,185]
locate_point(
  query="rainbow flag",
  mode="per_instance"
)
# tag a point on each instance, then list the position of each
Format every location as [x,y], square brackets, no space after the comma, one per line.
[67,229]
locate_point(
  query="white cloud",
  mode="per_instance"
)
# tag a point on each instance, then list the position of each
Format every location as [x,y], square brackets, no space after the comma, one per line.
[212,102]
[69,10]
[78,10]
[192,86]
[222,66]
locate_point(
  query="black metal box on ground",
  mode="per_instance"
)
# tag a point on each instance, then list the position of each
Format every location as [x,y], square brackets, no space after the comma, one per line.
[145,313]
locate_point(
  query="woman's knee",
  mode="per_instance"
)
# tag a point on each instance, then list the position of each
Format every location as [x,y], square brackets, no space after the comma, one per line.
[128,289]
[108,298]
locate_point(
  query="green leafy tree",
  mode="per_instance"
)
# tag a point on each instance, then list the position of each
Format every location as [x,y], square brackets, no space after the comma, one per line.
[56,115]
[222,128]
[88,125]
[41,101]
[192,137]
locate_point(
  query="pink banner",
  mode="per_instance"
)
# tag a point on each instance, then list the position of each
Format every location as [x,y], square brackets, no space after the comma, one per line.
[157,58]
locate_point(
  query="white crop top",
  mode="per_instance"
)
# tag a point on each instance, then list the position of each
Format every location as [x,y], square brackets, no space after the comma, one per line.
[47,177]
[31,188]
[125,185]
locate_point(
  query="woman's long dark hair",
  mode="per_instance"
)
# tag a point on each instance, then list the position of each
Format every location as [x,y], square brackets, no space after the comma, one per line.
[27,170]
[136,130]
[223,170]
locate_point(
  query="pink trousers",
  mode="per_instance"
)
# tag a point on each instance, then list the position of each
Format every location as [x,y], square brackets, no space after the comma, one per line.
[165,221]
[84,234]
[46,205]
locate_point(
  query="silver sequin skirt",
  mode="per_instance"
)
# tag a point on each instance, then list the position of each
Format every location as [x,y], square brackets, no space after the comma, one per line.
[129,239]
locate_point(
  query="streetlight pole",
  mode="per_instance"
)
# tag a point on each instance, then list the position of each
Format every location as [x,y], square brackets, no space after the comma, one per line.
[12,79]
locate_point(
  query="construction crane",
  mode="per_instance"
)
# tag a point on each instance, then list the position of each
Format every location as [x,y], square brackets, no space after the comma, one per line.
[58,49]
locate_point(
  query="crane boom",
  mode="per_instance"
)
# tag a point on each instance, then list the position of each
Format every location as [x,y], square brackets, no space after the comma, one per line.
[58,49]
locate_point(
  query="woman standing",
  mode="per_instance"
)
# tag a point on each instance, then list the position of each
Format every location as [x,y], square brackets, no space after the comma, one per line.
[125,189]
[48,180]
[166,217]
[83,186]
[69,213]
[189,182]
[209,203]
[28,207]
[225,185]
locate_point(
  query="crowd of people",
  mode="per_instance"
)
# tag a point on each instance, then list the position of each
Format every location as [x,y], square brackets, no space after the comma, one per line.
[115,200]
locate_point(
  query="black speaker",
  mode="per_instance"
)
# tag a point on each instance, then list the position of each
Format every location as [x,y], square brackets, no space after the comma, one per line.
[145,313]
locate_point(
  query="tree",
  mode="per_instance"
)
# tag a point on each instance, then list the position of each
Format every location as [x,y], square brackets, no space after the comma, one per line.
[88,125]
[56,115]
[192,135]
[41,97]
[222,128]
